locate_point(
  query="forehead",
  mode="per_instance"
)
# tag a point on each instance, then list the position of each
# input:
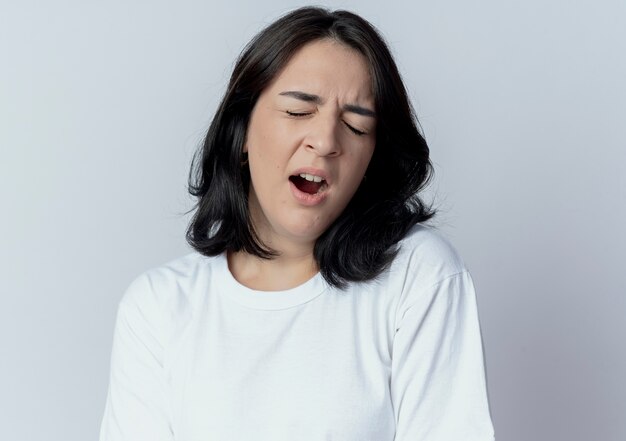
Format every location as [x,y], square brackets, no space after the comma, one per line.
[327,67]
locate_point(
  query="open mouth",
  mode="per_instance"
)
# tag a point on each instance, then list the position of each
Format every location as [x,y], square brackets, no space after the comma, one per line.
[307,183]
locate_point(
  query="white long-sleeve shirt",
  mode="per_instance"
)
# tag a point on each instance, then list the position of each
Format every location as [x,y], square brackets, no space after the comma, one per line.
[199,357]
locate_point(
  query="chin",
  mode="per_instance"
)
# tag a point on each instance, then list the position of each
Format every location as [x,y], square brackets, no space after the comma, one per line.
[305,233]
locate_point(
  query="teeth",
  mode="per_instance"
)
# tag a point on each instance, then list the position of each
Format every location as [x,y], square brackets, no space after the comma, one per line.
[311,178]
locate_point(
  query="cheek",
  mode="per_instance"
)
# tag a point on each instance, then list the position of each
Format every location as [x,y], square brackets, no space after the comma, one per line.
[266,167]
[358,164]
[267,145]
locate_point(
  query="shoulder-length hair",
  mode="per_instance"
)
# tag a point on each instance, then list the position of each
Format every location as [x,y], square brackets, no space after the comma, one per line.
[361,243]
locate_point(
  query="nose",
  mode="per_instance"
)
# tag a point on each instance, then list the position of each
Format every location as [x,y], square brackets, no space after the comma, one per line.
[323,137]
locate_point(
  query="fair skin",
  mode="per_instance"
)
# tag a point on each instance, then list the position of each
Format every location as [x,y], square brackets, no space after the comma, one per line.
[310,139]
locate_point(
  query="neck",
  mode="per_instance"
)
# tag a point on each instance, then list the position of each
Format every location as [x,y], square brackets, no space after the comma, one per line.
[283,272]
[293,265]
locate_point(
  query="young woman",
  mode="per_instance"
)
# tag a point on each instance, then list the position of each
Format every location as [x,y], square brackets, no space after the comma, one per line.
[316,305]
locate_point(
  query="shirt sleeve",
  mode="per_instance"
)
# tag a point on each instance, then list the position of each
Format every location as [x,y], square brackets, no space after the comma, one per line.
[438,384]
[136,408]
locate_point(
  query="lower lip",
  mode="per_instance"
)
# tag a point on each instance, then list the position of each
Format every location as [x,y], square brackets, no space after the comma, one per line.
[307,199]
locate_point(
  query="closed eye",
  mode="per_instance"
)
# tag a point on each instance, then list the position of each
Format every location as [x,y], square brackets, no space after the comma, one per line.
[296,114]
[302,114]
[353,130]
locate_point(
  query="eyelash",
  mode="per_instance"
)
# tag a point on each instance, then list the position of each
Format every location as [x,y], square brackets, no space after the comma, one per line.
[296,113]
[301,114]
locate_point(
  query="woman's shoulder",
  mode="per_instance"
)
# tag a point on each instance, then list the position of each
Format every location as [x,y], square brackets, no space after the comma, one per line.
[169,284]
[428,255]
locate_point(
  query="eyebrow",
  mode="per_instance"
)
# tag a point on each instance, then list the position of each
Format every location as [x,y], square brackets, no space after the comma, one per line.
[310,98]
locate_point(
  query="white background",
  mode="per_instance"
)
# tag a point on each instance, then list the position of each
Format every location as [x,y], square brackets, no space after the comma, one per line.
[523,105]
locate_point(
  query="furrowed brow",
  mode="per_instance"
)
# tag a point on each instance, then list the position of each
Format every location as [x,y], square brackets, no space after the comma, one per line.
[359,110]
[309,98]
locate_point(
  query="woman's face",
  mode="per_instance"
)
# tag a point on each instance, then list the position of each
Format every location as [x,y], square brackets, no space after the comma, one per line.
[310,138]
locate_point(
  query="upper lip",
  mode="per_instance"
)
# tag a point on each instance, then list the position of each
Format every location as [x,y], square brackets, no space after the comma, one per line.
[313,171]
